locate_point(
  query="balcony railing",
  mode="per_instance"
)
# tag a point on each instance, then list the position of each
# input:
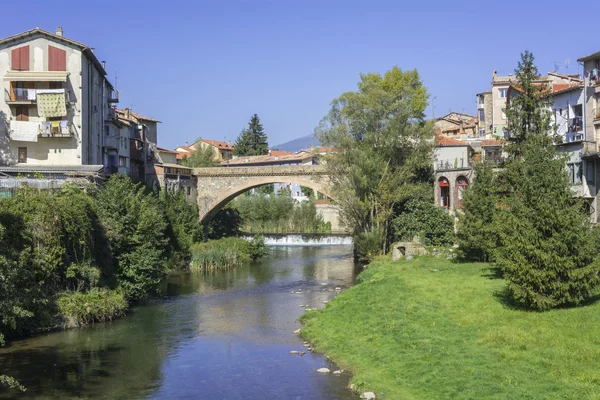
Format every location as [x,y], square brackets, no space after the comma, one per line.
[451,164]
[576,124]
[113,96]
[56,129]
[20,95]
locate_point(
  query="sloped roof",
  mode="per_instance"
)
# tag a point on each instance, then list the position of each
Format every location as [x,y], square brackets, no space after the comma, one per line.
[142,117]
[444,141]
[491,142]
[249,160]
[37,31]
[167,150]
[590,56]
[218,144]
[279,153]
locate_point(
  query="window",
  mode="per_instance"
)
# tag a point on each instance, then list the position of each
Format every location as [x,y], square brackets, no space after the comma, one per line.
[481,115]
[122,162]
[22,113]
[590,172]
[504,113]
[575,173]
[189,190]
[461,186]
[444,192]
[501,93]
[57,59]
[22,154]
[20,59]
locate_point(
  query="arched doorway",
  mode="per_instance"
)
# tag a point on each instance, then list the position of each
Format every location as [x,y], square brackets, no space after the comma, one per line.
[461,185]
[444,192]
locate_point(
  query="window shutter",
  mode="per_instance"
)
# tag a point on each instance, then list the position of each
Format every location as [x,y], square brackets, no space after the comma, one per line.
[57,59]
[25,58]
[15,56]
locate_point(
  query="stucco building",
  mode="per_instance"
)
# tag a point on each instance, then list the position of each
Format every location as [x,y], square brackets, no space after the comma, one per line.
[57,103]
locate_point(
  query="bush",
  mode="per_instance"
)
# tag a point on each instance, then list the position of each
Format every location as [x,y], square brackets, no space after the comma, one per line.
[227,252]
[432,224]
[476,229]
[367,245]
[97,305]
[226,223]
[135,226]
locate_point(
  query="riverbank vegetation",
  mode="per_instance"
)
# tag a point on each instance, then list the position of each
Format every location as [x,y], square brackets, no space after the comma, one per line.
[227,253]
[383,156]
[270,213]
[431,328]
[77,256]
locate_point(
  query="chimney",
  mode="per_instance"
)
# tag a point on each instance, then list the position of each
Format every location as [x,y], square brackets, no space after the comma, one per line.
[127,113]
[104,64]
[59,31]
[186,144]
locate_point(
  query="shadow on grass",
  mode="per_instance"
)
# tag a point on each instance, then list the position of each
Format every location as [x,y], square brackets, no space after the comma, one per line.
[505,298]
[492,273]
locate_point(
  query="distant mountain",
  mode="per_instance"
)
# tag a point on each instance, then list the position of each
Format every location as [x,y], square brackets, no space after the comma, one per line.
[301,143]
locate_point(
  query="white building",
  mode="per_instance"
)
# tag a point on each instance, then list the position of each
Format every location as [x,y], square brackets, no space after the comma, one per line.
[56,112]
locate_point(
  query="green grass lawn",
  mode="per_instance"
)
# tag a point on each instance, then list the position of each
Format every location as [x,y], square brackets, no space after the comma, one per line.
[433,329]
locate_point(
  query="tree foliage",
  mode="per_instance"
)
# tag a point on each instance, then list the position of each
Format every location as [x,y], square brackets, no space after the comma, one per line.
[135,226]
[384,147]
[476,231]
[201,157]
[546,249]
[431,224]
[252,141]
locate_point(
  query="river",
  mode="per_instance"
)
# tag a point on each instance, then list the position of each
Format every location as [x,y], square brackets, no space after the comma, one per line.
[222,335]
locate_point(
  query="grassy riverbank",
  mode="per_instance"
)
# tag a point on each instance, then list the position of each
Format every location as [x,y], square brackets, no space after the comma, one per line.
[432,329]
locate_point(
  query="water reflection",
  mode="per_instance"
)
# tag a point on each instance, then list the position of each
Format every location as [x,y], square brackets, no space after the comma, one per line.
[224,335]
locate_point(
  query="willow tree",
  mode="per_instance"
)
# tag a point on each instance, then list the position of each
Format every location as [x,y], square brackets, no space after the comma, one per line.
[383,148]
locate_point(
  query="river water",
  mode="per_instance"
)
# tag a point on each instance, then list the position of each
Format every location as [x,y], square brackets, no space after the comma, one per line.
[223,335]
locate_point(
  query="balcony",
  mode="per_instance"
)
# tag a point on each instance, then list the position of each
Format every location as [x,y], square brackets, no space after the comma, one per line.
[576,124]
[29,96]
[136,150]
[52,129]
[113,96]
[457,163]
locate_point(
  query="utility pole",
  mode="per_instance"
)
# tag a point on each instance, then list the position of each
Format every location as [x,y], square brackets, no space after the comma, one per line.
[433,106]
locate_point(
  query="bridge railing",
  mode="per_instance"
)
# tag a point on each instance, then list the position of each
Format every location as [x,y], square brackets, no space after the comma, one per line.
[261,170]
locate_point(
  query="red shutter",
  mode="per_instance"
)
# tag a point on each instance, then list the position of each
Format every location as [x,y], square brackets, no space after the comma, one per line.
[57,59]
[20,59]
[15,57]
[25,58]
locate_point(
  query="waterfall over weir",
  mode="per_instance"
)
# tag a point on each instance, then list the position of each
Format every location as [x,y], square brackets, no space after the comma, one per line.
[305,240]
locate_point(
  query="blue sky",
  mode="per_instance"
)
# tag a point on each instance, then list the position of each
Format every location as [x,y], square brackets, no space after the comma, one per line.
[204,67]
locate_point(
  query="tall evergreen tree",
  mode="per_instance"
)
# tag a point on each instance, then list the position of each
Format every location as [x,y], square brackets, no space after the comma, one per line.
[253,140]
[476,231]
[547,251]
[528,108]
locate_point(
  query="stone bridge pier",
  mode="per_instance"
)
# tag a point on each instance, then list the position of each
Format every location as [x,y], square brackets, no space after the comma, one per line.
[219,185]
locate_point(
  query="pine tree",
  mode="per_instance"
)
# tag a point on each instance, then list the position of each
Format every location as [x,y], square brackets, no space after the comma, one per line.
[547,251]
[476,230]
[252,141]
[528,108]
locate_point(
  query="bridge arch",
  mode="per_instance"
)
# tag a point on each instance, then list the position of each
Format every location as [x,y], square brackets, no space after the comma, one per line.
[218,186]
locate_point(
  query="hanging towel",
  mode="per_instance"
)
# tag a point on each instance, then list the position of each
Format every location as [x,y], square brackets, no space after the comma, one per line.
[31,94]
[55,124]
[24,131]
[51,104]
[47,128]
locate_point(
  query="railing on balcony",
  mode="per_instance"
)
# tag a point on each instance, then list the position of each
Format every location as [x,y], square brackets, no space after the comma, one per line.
[56,129]
[112,114]
[113,96]
[576,124]
[29,95]
[451,164]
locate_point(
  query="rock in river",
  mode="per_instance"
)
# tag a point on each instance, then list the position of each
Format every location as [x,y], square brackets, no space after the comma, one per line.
[294,352]
[323,370]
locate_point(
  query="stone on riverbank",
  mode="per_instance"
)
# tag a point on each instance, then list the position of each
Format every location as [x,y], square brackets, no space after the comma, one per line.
[294,352]
[368,396]
[323,370]
[297,331]
[338,372]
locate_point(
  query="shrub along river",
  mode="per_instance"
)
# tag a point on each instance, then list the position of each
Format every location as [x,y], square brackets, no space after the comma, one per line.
[219,335]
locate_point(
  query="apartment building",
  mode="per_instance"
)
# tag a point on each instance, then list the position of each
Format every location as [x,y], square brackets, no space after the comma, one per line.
[133,150]
[457,125]
[223,150]
[57,101]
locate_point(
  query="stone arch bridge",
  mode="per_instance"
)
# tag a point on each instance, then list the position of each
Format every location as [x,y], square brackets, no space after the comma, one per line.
[218,185]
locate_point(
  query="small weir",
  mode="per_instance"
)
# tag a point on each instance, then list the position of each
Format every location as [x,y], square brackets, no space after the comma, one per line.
[305,239]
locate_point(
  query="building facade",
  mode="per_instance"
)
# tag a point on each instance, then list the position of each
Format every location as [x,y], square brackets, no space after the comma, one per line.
[56,104]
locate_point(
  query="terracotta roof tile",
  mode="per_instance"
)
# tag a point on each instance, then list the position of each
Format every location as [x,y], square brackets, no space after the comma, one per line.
[279,153]
[491,142]
[249,160]
[443,141]
[218,144]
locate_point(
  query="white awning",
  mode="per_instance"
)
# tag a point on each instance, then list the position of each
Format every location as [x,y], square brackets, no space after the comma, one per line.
[36,76]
